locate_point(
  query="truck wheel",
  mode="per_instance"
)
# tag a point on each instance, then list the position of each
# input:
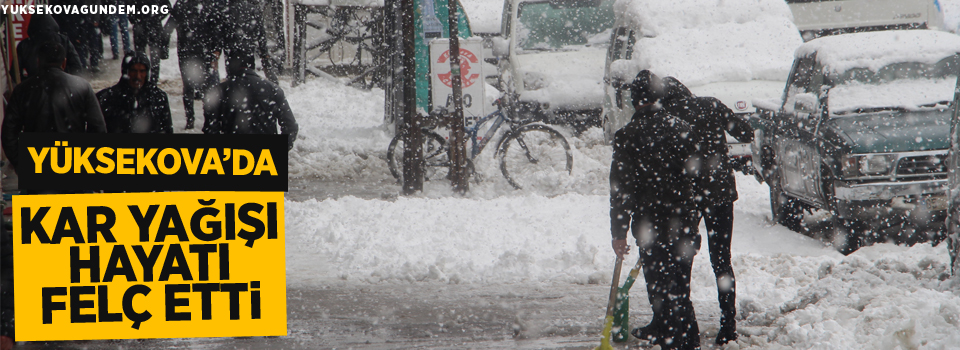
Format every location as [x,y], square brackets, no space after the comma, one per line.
[784,210]
[848,234]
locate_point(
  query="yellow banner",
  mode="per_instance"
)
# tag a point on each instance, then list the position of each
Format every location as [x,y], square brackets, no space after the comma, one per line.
[149,265]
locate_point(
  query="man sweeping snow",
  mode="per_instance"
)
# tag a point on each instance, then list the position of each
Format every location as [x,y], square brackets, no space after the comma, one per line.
[650,194]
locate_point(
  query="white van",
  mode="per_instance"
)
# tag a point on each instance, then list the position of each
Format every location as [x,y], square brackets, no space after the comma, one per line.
[550,53]
[734,50]
[816,18]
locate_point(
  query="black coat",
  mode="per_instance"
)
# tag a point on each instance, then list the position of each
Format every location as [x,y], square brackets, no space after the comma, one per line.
[649,169]
[148,27]
[44,28]
[710,118]
[248,104]
[138,112]
[199,25]
[244,32]
[53,101]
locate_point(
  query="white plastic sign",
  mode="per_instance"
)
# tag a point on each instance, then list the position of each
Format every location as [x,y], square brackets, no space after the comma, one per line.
[471,76]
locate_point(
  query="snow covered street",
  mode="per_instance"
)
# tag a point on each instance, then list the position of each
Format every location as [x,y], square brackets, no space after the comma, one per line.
[795,292]
[498,268]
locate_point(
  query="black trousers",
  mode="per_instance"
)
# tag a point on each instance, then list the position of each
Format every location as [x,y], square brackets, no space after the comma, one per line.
[668,241]
[141,42]
[199,74]
[719,222]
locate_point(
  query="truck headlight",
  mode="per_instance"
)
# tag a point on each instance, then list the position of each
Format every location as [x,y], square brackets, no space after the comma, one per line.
[868,165]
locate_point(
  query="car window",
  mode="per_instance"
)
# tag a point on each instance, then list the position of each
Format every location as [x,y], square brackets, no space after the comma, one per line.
[617,43]
[556,26]
[803,74]
[631,40]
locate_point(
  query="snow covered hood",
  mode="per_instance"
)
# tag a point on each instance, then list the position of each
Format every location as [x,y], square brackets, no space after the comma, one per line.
[906,94]
[874,50]
[739,95]
[567,80]
[706,41]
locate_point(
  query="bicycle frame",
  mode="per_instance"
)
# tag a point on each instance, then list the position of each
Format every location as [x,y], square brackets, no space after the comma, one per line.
[477,146]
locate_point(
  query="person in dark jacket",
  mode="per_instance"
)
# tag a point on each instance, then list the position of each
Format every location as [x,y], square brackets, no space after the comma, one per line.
[716,185]
[651,193]
[117,26]
[82,31]
[43,28]
[52,101]
[149,36]
[248,104]
[134,105]
[199,25]
[245,32]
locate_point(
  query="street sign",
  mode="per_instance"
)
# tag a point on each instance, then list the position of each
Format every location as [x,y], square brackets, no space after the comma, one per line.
[471,74]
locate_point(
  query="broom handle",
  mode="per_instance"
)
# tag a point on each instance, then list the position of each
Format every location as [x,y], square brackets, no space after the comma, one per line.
[614,286]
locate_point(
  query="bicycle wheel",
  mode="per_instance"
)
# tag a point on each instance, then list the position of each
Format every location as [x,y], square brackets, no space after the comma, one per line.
[535,156]
[434,156]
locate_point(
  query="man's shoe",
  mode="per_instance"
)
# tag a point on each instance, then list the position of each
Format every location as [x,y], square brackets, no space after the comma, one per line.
[189,125]
[726,334]
[648,332]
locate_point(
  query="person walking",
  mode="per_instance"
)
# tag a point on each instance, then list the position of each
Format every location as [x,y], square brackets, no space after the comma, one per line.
[149,36]
[118,28]
[134,104]
[245,33]
[199,25]
[716,186]
[43,28]
[52,101]
[651,194]
[248,104]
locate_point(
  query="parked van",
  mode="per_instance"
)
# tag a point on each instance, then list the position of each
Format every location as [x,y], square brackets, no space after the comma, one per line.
[550,54]
[734,50]
[816,18]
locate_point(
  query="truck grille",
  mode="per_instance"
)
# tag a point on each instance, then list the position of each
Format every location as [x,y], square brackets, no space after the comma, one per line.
[921,165]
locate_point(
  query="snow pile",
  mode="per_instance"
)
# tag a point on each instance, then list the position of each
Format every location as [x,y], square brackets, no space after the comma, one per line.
[508,239]
[908,94]
[882,297]
[873,50]
[705,41]
[342,133]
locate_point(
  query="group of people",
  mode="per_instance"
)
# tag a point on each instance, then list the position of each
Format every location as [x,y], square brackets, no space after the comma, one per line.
[205,30]
[52,98]
[670,168]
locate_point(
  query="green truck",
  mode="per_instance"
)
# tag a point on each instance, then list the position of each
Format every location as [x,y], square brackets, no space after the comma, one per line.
[862,131]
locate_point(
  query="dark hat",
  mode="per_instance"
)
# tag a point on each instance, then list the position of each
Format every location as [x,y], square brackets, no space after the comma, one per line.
[239,60]
[132,58]
[51,53]
[646,88]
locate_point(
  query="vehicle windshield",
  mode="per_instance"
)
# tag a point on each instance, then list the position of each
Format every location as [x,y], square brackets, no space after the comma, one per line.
[899,71]
[564,25]
[896,86]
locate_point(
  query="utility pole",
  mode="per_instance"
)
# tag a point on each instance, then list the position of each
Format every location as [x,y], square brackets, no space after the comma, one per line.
[413,143]
[458,151]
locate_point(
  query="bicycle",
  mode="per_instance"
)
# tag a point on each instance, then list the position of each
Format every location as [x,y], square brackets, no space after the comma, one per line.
[529,152]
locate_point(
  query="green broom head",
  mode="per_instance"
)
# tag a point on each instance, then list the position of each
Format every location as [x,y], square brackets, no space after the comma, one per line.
[621,309]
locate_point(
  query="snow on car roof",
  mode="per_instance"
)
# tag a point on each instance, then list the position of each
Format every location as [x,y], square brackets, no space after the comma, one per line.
[874,50]
[705,41]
